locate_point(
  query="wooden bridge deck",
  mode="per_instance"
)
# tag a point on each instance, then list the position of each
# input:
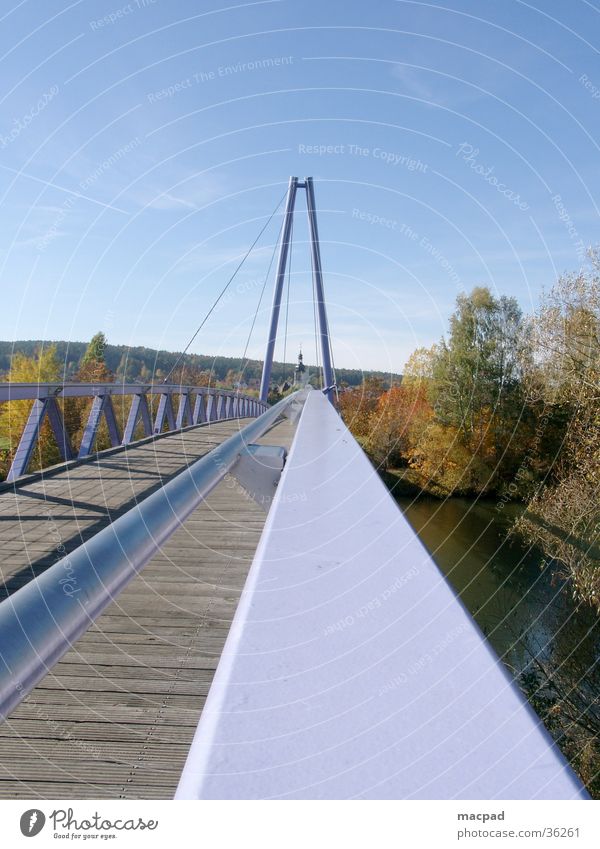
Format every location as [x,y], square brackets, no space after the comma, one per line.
[116,716]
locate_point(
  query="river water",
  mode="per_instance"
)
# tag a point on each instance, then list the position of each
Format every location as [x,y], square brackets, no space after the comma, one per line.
[522,609]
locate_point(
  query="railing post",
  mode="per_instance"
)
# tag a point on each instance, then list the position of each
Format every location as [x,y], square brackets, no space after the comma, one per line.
[139,409]
[91,427]
[184,413]
[165,408]
[199,414]
[215,407]
[28,440]
[102,405]
[41,407]
[111,421]
[58,428]
[211,406]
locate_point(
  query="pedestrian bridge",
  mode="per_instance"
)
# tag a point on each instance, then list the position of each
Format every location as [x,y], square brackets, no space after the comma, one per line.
[236,608]
[165,635]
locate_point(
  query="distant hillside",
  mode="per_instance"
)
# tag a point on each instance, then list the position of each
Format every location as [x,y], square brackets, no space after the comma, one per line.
[147,364]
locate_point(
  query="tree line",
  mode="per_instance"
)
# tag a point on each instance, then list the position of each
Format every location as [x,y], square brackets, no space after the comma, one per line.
[147,365]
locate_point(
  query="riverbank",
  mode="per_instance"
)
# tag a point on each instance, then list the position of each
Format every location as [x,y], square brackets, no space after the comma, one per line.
[408,481]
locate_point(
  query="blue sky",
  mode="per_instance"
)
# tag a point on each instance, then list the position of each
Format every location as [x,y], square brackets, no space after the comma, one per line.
[144,144]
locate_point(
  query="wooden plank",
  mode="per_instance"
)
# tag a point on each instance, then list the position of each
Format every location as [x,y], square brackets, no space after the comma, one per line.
[149,686]
[125,751]
[92,769]
[119,674]
[23,731]
[64,790]
[123,714]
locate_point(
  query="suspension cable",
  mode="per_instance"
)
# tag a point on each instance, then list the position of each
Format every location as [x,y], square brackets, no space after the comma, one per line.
[227,285]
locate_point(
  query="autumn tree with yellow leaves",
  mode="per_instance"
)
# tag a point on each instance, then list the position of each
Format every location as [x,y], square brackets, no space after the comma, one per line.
[563,516]
[43,367]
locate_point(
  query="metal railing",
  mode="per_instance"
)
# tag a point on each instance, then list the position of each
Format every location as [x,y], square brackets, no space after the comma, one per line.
[39,622]
[196,405]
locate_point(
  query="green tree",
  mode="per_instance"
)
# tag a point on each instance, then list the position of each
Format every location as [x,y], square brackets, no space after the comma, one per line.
[95,351]
[479,367]
[476,387]
[92,369]
[419,366]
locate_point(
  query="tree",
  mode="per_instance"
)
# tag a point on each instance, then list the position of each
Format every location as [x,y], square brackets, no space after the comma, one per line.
[417,382]
[446,465]
[475,386]
[479,366]
[357,405]
[274,396]
[419,367]
[191,375]
[43,367]
[387,438]
[92,369]
[563,517]
[96,349]
[397,423]
[234,378]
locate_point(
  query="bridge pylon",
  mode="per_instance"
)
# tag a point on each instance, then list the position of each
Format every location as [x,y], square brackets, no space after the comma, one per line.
[318,292]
